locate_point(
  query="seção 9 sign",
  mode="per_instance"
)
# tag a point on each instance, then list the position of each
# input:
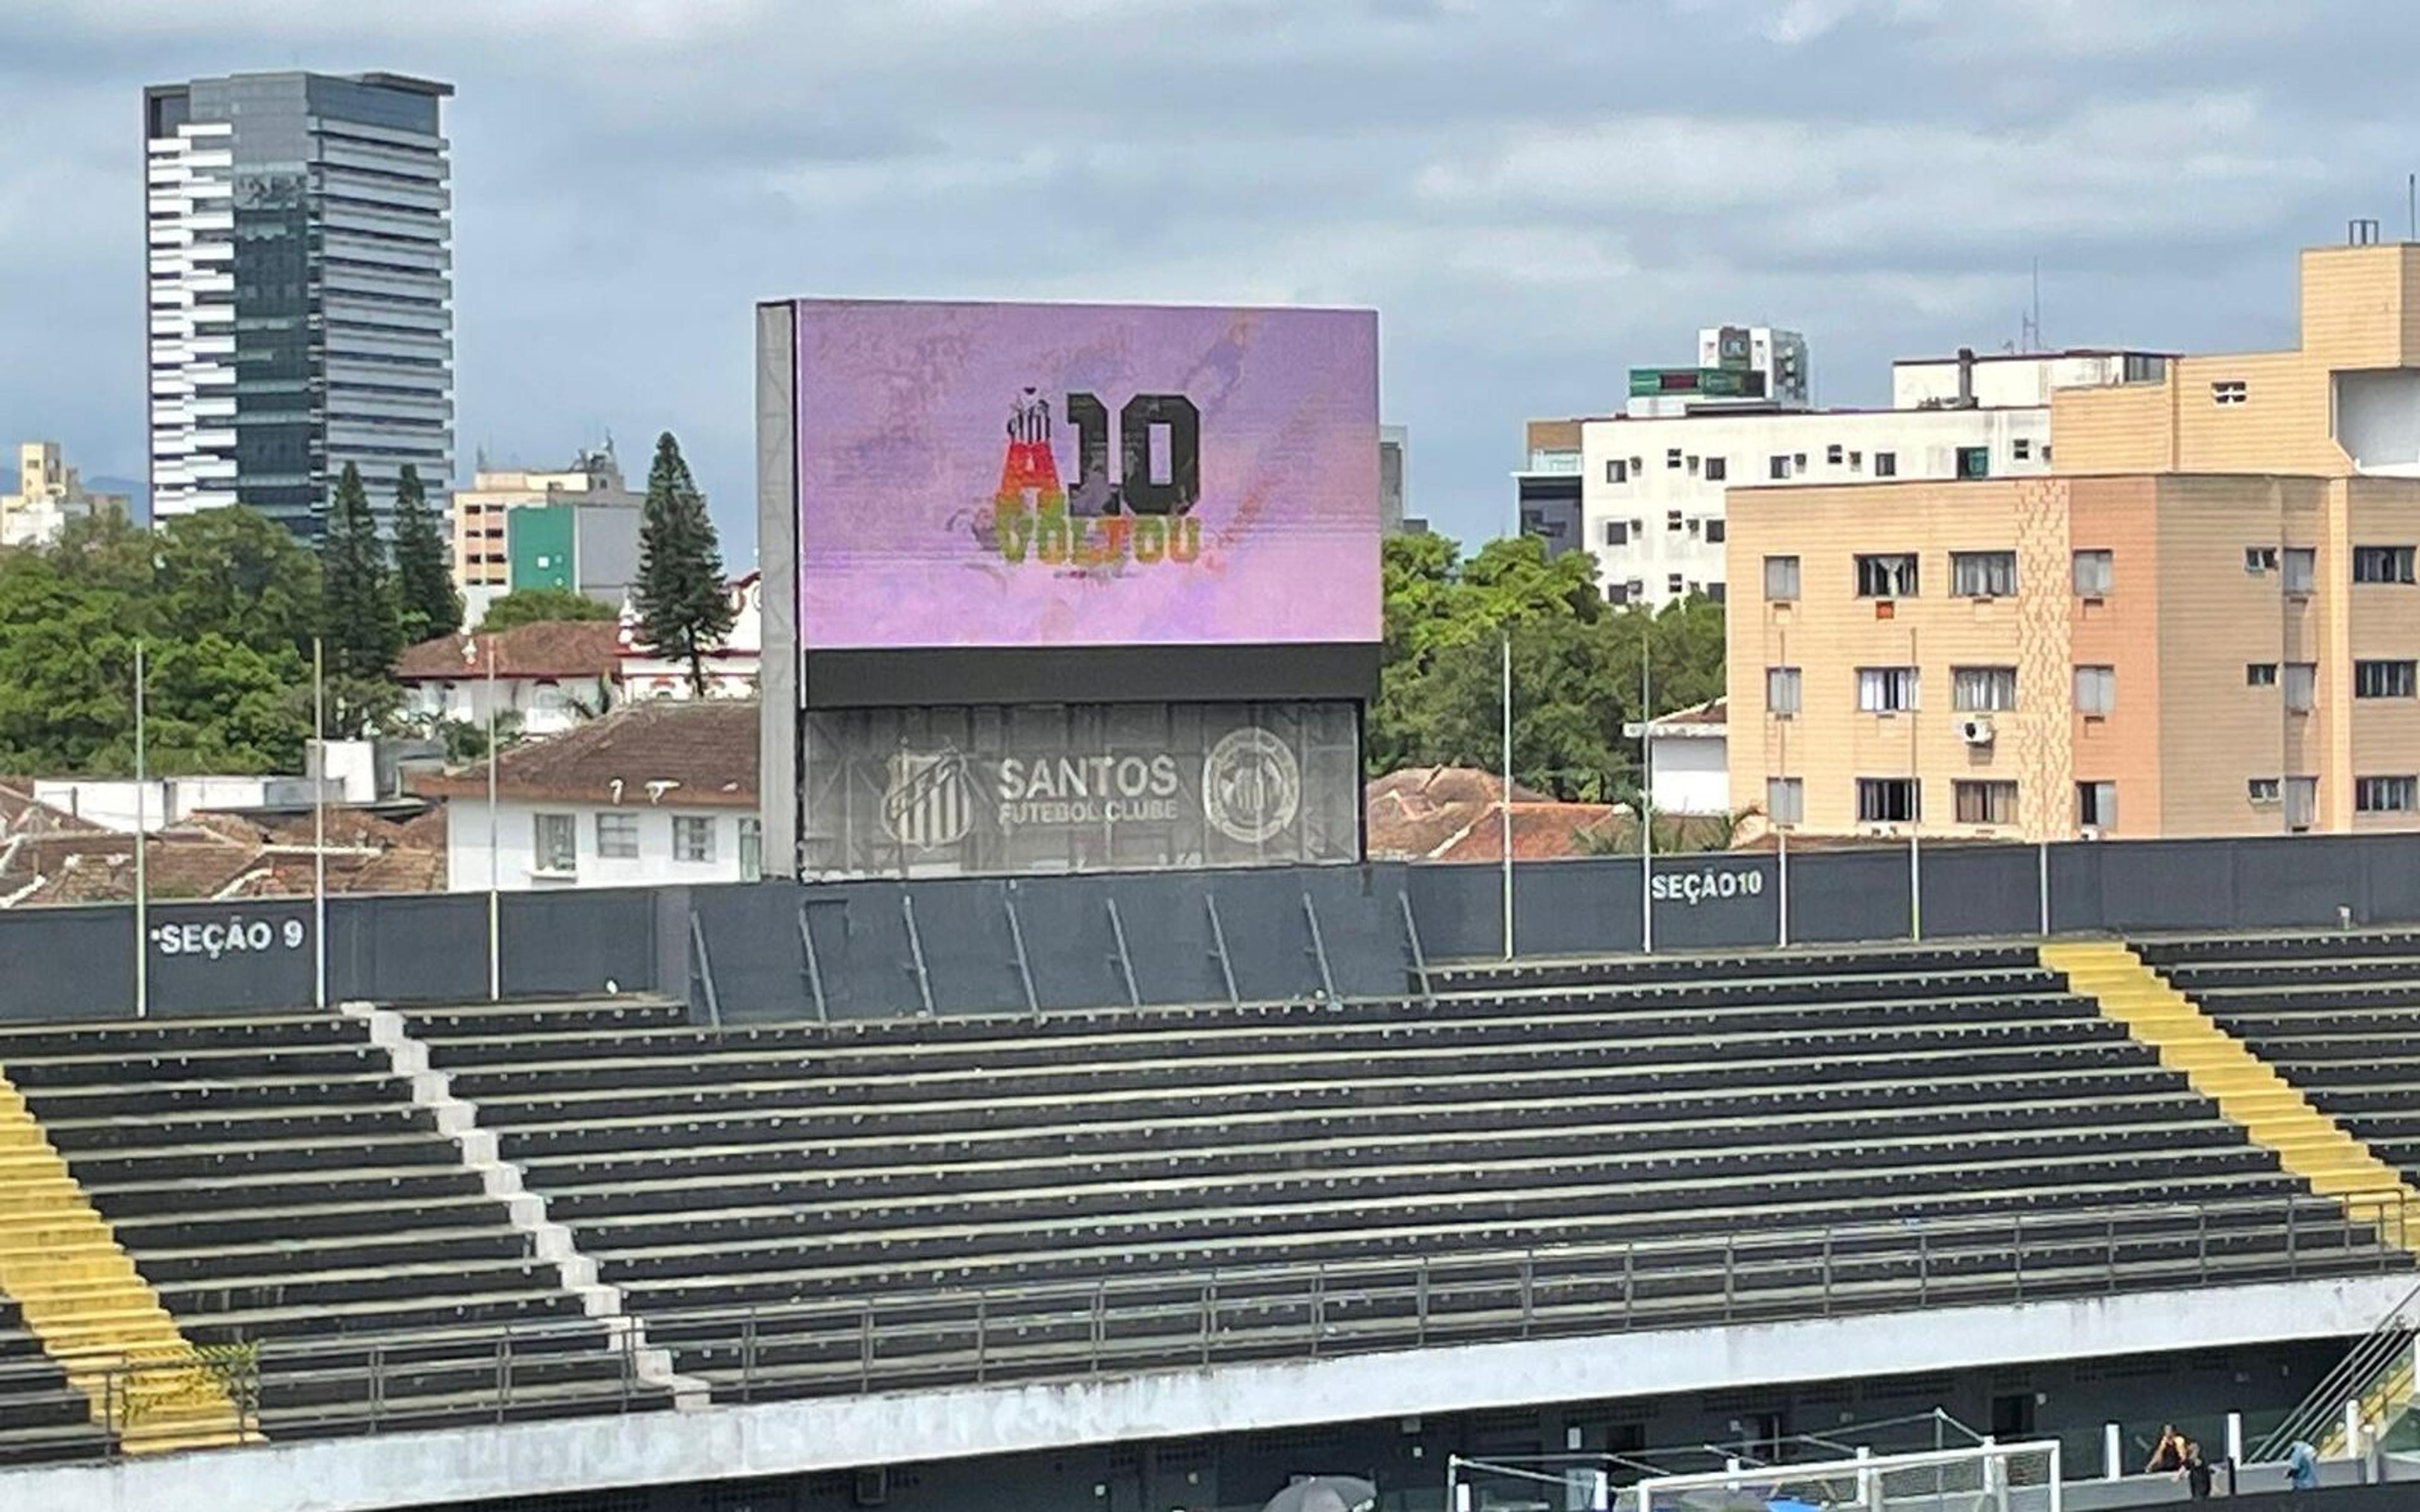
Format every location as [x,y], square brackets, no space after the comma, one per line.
[1023,475]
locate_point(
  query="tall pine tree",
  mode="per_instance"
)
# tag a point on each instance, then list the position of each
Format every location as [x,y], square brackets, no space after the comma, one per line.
[684,610]
[423,581]
[360,623]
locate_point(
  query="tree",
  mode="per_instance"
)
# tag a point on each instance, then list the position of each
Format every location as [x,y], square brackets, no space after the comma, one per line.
[684,610]
[427,602]
[530,606]
[1576,663]
[360,620]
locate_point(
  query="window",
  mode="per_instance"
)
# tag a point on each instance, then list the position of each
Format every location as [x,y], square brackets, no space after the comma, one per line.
[1886,690]
[2229,392]
[1986,803]
[1715,533]
[2261,790]
[1889,800]
[1616,532]
[1797,461]
[1617,593]
[2093,572]
[751,850]
[555,844]
[2384,679]
[2302,686]
[2382,564]
[1672,518]
[1717,469]
[1982,574]
[1672,459]
[618,836]
[1832,454]
[1781,690]
[1886,577]
[1693,467]
[1982,690]
[2259,559]
[1973,461]
[2022,448]
[693,837]
[2096,690]
[1615,470]
[2302,569]
[1675,583]
[1719,592]
[1857,460]
[1635,591]
[1785,800]
[2260,675]
[2385,795]
[2096,805]
[1780,579]
[1885,464]
[1777,467]
[2301,801]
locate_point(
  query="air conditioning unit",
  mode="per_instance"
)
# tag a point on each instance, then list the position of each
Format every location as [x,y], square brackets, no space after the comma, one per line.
[1974,730]
[1882,831]
[2088,832]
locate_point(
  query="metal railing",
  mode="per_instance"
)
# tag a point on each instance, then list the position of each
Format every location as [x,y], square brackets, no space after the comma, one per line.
[972,1334]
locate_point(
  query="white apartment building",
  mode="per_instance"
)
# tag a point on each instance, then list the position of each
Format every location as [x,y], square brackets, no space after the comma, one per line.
[1651,481]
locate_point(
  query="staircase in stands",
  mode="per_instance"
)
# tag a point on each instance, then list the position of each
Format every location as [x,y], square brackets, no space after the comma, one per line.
[2307,1143]
[92,1312]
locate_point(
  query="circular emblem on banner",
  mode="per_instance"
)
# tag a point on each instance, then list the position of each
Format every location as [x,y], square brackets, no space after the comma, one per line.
[1251,787]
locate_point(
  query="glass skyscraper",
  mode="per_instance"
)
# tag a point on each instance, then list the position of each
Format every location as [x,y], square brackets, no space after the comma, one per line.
[300,291]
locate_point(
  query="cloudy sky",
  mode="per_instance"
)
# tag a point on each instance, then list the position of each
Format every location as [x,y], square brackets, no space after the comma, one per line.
[1535,193]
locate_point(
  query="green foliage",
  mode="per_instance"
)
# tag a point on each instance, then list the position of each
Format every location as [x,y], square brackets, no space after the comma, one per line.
[225,601]
[427,602]
[530,606]
[360,618]
[1575,665]
[684,610]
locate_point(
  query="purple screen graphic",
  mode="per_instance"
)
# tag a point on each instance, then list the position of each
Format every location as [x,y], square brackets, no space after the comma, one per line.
[986,476]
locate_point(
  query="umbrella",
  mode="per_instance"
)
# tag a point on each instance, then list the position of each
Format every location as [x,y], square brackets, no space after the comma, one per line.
[1325,1493]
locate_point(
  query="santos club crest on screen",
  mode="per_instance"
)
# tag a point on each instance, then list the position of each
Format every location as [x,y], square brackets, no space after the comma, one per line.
[1139,513]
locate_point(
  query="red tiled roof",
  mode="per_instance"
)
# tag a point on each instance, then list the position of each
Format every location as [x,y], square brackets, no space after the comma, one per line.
[1713,713]
[547,648]
[1453,813]
[690,753]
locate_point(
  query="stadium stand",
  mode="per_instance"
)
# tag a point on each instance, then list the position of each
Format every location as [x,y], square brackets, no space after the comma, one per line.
[1626,1124]
[1536,1149]
[277,1188]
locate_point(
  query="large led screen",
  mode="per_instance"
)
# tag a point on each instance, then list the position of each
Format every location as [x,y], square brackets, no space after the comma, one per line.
[1064,475]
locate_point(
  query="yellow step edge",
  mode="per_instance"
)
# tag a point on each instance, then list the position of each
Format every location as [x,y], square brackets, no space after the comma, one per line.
[2273,1112]
[89,1307]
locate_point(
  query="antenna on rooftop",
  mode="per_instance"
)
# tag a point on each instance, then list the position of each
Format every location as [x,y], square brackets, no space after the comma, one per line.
[2029,333]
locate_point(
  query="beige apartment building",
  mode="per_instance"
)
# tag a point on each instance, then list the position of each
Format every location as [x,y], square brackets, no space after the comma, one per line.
[2205,622]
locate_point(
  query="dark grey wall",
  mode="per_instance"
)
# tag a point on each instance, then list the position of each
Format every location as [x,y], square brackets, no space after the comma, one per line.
[79,963]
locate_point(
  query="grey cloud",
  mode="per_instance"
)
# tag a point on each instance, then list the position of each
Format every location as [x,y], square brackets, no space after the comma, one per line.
[1535,194]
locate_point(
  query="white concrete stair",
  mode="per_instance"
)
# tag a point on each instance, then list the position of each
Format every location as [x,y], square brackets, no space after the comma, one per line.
[458,1119]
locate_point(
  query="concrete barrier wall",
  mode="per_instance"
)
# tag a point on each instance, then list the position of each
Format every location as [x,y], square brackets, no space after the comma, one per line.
[994,946]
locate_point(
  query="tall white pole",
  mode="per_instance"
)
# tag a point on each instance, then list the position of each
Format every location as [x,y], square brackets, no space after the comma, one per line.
[142,842]
[495,871]
[1916,791]
[1646,793]
[319,826]
[1504,809]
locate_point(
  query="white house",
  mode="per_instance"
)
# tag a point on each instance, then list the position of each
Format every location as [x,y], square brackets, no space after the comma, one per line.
[551,676]
[1689,752]
[653,792]
[731,668]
